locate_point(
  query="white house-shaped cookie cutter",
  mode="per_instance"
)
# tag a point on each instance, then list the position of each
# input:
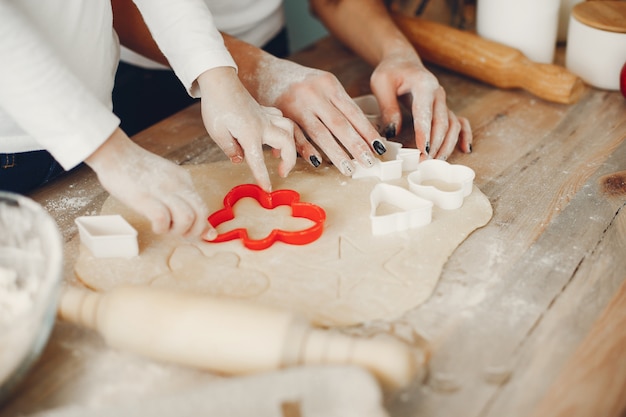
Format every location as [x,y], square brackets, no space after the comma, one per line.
[410,157]
[414,211]
[384,170]
[108,236]
[444,184]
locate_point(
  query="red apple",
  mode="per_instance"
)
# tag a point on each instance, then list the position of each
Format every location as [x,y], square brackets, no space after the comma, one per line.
[622,80]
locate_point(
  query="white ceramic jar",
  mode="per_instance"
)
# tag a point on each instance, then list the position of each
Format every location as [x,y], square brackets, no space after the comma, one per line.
[527,25]
[596,43]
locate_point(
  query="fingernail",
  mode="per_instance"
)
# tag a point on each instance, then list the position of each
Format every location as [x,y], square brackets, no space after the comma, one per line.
[470,148]
[210,234]
[346,167]
[237,159]
[314,161]
[390,130]
[379,147]
[368,158]
[427,147]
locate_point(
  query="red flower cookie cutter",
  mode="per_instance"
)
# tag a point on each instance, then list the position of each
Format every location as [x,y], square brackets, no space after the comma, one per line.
[269,201]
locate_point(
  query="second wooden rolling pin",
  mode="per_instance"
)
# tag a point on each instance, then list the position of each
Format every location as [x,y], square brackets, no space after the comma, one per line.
[488,61]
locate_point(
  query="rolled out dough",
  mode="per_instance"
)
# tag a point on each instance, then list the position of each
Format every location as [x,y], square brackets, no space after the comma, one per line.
[346,277]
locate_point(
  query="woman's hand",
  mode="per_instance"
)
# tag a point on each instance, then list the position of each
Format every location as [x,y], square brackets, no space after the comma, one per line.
[319,105]
[437,129]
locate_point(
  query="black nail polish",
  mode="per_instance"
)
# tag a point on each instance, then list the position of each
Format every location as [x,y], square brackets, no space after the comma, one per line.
[470,148]
[390,130]
[314,161]
[379,147]
[427,147]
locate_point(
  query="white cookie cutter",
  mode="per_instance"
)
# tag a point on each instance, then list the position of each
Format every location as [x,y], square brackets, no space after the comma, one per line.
[415,211]
[108,236]
[410,157]
[369,106]
[392,163]
[384,170]
[444,184]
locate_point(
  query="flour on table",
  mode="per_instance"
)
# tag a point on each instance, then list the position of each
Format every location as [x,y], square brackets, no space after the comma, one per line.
[348,276]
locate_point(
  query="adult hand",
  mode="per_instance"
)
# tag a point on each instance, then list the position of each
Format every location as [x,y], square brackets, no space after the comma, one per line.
[437,129]
[317,102]
[159,189]
[241,126]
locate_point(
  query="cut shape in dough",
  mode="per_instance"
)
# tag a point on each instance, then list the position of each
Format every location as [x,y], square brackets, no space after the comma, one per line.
[346,277]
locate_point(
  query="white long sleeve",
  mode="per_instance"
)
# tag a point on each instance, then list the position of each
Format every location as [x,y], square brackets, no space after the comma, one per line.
[58,68]
[187,36]
[51,96]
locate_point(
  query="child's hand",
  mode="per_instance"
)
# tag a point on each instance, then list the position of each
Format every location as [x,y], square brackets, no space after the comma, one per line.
[152,186]
[240,126]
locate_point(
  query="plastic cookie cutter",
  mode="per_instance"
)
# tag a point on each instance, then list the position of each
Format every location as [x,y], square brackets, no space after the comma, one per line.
[444,184]
[413,211]
[108,236]
[410,157]
[395,161]
[269,201]
[384,170]
[369,106]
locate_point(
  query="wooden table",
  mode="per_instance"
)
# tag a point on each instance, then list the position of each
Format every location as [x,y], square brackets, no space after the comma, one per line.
[530,310]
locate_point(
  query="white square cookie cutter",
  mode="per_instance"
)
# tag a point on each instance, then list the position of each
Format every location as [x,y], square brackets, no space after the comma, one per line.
[109,236]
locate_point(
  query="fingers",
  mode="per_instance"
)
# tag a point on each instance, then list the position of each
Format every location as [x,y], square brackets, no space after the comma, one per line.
[321,136]
[459,134]
[440,128]
[450,139]
[181,214]
[231,148]
[305,149]
[466,136]
[282,140]
[389,107]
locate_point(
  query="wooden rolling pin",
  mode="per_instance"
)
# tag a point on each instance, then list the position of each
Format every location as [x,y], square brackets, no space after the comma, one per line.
[225,335]
[488,61]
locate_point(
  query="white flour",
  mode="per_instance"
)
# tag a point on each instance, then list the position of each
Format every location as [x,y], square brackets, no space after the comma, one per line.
[27,244]
[16,297]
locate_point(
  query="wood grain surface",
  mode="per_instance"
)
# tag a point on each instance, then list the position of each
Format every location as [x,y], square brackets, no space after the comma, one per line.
[528,317]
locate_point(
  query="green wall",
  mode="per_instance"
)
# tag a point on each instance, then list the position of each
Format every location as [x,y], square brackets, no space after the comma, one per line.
[303,29]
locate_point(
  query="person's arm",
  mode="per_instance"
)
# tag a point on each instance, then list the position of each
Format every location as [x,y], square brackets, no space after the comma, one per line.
[313,99]
[183,35]
[366,27]
[44,97]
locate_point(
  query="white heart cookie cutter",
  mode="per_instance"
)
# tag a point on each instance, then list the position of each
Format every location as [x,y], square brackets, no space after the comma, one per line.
[415,211]
[444,184]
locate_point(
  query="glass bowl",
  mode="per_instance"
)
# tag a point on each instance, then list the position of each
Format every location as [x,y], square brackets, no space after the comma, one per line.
[31,261]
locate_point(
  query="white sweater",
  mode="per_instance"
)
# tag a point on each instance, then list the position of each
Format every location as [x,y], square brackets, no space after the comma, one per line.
[252,21]
[58,66]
